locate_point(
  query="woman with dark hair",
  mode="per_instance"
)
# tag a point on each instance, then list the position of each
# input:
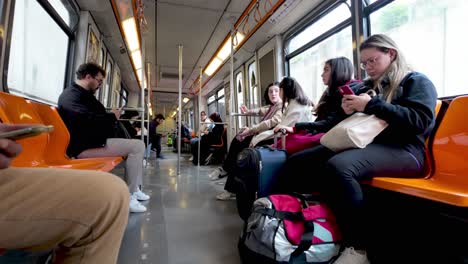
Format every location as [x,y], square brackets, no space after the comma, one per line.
[336,73]
[271,117]
[214,137]
[296,107]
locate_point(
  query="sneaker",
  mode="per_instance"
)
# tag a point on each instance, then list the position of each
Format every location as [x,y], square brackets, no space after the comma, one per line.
[141,196]
[217,174]
[135,206]
[225,196]
[351,256]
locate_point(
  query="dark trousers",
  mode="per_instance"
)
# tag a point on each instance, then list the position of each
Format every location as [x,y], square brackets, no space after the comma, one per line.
[337,175]
[230,162]
[156,143]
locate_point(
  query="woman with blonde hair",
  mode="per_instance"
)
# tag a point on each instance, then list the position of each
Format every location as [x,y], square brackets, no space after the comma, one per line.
[405,100]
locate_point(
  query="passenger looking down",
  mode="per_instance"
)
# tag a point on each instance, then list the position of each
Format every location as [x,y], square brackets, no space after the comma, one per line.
[80,214]
[336,73]
[213,137]
[406,101]
[185,135]
[271,117]
[91,130]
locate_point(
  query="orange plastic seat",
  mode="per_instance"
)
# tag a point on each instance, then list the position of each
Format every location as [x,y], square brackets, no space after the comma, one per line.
[448,182]
[45,150]
[59,139]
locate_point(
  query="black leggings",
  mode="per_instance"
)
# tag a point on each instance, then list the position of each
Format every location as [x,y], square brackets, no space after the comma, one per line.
[337,175]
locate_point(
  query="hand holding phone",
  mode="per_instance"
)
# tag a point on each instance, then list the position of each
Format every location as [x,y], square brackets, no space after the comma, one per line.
[345,89]
[26,132]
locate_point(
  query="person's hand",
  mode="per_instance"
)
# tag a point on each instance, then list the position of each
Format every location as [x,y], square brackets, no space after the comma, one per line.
[244,109]
[355,102]
[288,130]
[116,113]
[9,148]
[245,132]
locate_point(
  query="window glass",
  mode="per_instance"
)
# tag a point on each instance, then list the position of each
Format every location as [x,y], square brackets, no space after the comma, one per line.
[106,86]
[220,93]
[38,57]
[222,109]
[212,108]
[307,66]
[336,16]
[211,99]
[65,11]
[253,86]
[430,35]
[116,88]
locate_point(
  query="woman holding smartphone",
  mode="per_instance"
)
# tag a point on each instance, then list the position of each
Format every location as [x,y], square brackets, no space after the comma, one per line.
[405,100]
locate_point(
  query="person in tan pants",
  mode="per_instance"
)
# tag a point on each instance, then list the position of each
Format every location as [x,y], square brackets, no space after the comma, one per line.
[81,215]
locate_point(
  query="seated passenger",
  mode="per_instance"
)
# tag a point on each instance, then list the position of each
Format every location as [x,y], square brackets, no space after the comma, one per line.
[298,110]
[79,214]
[205,128]
[212,138]
[406,101]
[336,73]
[185,135]
[91,130]
[271,117]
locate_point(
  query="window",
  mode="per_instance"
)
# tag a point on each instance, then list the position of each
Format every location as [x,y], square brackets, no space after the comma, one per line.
[307,66]
[253,85]
[65,11]
[336,16]
[38,57]
[106,87]
[211,99]
[432,38]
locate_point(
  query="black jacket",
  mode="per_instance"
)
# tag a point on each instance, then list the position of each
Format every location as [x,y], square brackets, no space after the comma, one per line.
[410,115]
[86,118]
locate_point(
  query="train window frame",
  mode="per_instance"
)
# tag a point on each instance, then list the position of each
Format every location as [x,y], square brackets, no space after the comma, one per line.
[46,12]
[347,24]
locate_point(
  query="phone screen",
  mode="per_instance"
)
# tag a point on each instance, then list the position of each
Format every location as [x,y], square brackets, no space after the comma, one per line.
[26,132]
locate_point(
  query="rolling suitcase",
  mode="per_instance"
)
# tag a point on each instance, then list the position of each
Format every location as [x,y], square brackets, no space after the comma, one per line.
[256,173]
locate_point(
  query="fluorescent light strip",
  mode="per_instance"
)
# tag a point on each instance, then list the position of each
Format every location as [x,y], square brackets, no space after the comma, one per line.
[223,54]
[131,34]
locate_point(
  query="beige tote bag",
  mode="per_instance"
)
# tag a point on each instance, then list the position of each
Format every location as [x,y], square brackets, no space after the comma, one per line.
[356,131]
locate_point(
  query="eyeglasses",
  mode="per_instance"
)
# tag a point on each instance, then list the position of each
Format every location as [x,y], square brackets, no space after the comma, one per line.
[99,80]
[370,62]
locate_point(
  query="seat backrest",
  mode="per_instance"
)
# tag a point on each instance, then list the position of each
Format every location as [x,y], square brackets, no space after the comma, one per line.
[59,138]
[429,163]
[17,110]
[450,146]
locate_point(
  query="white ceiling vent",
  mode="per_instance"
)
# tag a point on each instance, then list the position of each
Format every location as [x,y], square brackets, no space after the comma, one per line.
[283,10]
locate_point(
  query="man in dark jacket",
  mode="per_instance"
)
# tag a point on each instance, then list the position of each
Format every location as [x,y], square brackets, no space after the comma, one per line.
[91,129]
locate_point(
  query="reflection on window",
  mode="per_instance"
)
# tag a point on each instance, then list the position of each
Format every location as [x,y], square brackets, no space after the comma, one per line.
[240,96]
[431,38]
[307,67]
[211,99]
[37,57]
[338,15]
[66,11]
[253,86]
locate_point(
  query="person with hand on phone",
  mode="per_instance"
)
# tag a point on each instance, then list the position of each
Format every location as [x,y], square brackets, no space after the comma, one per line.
[92,132]
[79,214]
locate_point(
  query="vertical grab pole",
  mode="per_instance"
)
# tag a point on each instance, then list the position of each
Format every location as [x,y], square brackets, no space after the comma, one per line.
[231,89]
[179,114]
[142,99]
[199,114]
[148,103]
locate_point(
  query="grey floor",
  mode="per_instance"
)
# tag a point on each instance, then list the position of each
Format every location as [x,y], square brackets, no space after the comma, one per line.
[184,222]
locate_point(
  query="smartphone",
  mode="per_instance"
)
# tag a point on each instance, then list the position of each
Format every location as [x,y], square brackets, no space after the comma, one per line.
[26,132]
[345,89]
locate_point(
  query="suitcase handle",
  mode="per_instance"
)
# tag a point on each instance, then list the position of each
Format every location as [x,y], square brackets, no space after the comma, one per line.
[281,134]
